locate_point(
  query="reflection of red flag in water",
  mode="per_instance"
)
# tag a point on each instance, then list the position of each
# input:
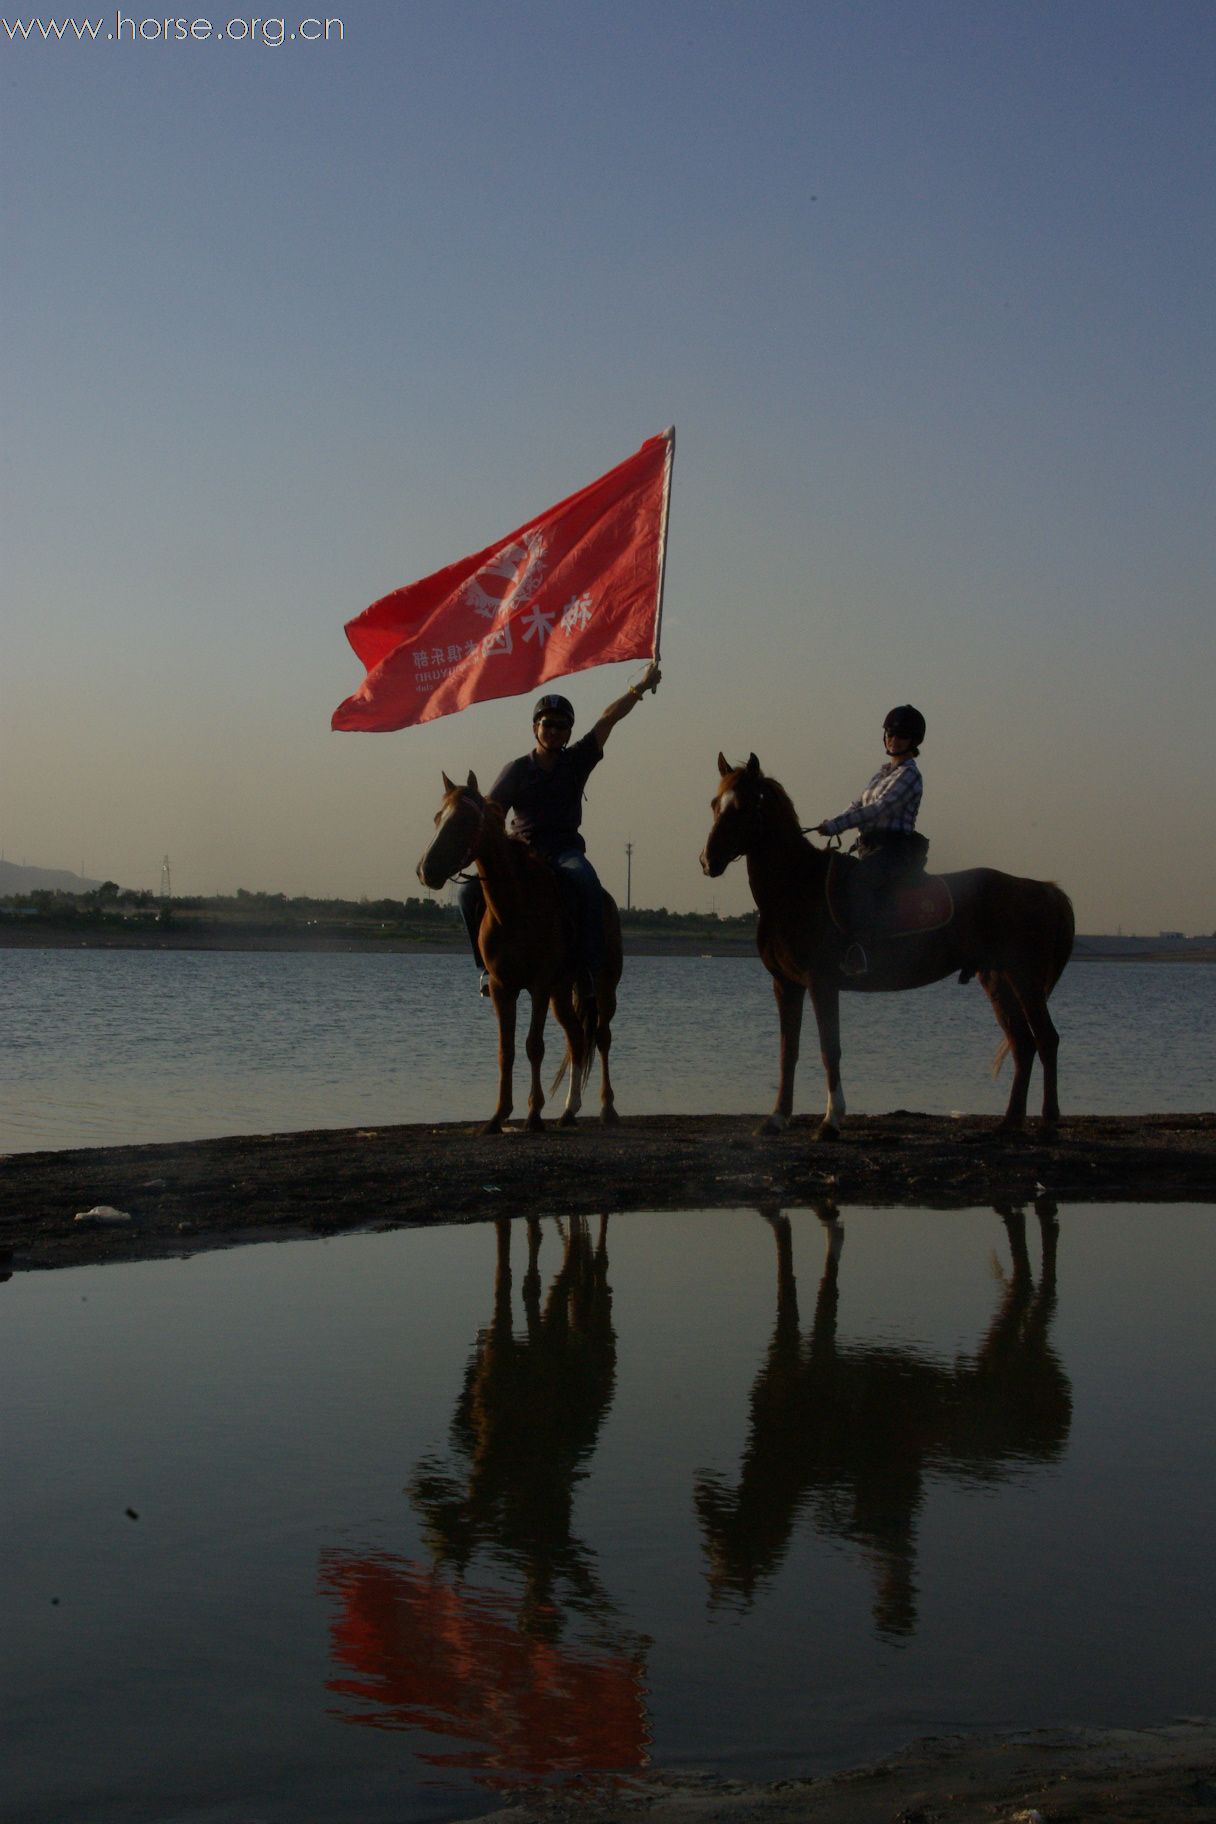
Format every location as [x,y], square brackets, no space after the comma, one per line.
[455,1661]
[580,585]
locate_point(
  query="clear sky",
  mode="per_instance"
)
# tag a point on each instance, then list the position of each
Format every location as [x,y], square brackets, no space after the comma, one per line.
[926,287]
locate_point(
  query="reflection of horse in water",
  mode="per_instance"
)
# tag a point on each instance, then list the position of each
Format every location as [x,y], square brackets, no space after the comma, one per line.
[847,1432]
[487,1666]
[526,1422]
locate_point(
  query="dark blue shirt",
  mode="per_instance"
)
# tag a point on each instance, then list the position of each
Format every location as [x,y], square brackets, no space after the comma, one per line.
[548,806]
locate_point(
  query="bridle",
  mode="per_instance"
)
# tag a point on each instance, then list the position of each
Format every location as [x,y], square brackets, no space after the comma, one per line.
[478,806]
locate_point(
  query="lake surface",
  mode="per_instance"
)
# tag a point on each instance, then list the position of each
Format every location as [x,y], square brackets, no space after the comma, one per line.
[115,1047]
[363,1530]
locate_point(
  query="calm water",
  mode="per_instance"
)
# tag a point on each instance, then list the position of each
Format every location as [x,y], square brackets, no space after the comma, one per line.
[103,1047]
[346,1531]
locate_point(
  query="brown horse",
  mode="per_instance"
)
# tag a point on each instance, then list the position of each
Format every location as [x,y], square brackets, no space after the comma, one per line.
[526,946]
[1015,935]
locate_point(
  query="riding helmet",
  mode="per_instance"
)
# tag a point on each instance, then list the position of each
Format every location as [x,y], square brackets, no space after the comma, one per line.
[553,706]
[906,722]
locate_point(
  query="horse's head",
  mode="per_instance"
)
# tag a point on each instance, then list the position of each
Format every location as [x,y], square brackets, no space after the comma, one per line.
[736,806]
[458,825]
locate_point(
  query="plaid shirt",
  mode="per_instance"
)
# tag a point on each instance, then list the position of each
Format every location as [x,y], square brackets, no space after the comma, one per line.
[889,802]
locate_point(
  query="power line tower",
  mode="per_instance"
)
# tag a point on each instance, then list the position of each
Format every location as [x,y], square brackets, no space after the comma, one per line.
[166,884]
[628,876]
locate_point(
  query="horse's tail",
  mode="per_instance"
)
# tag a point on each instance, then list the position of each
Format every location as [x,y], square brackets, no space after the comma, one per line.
[587,1015]
[1060,911]
[1065,933]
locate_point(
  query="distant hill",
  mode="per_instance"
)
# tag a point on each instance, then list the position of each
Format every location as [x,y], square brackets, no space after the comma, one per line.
[17,879]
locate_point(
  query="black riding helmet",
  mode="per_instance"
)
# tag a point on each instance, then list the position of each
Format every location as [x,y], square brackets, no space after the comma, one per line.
[907,723]
[553,706]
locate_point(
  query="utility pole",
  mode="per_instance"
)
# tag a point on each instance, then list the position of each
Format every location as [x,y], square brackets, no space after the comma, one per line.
[628,876]
[166,890]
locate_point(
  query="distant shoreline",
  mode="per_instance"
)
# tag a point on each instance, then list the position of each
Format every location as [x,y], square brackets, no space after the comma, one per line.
[14,935]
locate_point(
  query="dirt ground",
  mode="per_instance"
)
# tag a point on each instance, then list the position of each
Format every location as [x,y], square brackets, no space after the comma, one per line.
[181,1198]
[1165,1775]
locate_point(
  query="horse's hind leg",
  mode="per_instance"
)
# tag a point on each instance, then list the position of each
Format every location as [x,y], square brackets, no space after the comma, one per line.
[1020,1040]
[603,1044]
[567,1019]
[1047,1044]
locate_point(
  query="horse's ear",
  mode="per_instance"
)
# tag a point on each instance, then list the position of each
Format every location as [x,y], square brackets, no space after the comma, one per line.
[753,767]
[724,765]
[471,785]
[449,785]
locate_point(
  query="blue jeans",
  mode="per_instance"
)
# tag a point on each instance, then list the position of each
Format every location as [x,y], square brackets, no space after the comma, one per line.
[580,878]
[580,884]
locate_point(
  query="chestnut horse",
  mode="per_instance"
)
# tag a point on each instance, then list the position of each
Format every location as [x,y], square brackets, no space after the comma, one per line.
[1015,935]
[526,946]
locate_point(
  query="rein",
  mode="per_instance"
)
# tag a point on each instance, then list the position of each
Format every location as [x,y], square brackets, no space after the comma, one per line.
[479,807]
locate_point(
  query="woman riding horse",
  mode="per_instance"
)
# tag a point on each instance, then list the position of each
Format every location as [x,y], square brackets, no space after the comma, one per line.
[544,791]
[888,847]
[1015,935]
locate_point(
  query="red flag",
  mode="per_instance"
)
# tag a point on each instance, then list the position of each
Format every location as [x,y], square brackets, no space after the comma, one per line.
[580,585]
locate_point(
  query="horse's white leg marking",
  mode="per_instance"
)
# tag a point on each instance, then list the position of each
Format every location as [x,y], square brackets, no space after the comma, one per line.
[834,1113]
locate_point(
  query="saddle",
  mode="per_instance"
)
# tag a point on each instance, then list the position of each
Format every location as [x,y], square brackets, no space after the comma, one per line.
[922,904]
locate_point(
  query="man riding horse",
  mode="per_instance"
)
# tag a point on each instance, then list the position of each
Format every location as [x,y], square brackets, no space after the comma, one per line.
[544,791]
[888,848]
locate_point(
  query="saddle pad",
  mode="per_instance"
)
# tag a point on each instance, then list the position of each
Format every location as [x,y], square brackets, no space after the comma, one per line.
[926,904]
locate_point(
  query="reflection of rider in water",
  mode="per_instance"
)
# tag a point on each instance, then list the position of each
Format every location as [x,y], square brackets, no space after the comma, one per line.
[544,790]
[888,846]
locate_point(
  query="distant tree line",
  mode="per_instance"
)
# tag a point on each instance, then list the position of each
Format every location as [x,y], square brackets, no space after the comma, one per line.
[112,901]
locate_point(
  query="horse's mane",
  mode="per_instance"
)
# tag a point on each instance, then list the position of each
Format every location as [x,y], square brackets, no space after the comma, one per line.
[782,821]
[775,795]
[519,851]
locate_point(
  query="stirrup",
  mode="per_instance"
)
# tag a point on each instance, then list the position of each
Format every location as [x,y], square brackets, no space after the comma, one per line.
[854,962]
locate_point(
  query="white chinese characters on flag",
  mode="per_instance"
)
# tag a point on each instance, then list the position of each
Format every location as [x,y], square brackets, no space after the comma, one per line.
[578,586]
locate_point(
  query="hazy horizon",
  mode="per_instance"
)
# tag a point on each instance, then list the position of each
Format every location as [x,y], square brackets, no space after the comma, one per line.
[926,290]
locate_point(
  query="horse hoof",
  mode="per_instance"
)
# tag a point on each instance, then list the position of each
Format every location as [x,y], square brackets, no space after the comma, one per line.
[567,1118]
[534,1124]
[774,1124]
[492,1127]
[827,1132]
[609,1116]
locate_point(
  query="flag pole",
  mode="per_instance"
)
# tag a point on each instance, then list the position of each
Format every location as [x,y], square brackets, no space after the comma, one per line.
[670,434]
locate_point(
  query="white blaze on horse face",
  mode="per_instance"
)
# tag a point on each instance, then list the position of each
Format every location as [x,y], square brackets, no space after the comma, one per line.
[727,802]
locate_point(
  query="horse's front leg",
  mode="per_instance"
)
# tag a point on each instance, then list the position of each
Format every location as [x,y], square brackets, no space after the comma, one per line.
[504,1007]
[825,999]
[535,1047]
[789,996]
